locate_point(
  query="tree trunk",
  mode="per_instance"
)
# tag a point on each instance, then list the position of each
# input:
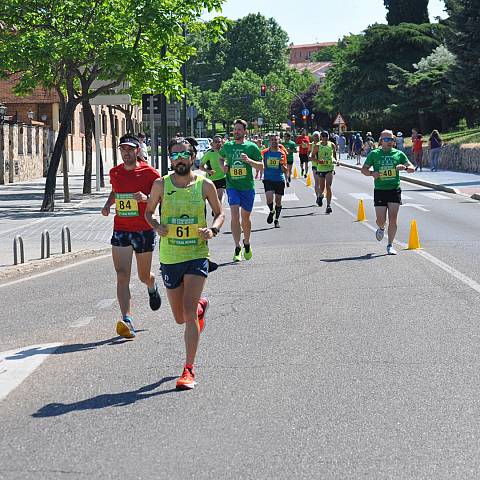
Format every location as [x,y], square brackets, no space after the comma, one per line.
[88,121]
[66,192]
[48,204]
[114,135]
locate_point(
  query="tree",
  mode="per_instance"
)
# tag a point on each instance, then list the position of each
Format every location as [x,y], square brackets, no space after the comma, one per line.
[426,92]
[238,97]
[357,84]
[464,41]
[326,54]
[406,11]
[67,45]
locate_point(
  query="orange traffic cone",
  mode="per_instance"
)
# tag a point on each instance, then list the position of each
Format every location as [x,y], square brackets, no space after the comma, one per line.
[413,240]
[361,217]
[295,172]
[309,181]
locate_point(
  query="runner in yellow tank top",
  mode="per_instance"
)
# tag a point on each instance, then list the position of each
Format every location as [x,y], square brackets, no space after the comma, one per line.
[327,155]
[183,245]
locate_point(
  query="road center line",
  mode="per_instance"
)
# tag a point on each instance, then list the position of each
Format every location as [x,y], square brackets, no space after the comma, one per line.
[427,256]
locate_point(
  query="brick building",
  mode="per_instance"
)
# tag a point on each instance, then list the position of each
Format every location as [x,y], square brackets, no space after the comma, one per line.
[43,106]
[303,53]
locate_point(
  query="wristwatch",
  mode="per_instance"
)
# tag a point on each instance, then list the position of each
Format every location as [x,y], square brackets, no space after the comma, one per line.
[214,230]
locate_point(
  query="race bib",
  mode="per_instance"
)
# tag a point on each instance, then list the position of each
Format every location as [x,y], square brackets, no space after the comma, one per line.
[272,162]
[387,172]
[238,172]
[126,205]
[182,231]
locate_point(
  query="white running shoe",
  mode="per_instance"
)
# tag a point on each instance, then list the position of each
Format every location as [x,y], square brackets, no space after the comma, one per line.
[379,234]
[391,250]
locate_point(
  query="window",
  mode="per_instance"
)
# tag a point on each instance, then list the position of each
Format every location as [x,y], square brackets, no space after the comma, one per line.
[104,123]
[116,126]
[29,140]
[20,140]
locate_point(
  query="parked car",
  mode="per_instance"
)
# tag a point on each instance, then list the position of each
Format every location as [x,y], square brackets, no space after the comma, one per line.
[204,144]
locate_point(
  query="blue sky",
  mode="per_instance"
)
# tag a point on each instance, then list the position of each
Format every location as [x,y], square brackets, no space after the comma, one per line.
[327,22]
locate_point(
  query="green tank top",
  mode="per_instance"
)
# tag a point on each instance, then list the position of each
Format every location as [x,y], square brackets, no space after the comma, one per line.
[183,211]
[314,161]
[325,157]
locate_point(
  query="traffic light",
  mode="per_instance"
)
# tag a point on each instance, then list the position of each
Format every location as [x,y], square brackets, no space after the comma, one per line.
[294,120]
[304,118]
[263,90]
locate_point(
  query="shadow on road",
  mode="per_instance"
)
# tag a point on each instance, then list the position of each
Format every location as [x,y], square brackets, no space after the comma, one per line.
[368,256]
[105,400]
[74,347]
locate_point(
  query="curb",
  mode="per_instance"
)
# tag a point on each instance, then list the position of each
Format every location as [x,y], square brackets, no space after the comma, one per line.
[423,183]
[35,266]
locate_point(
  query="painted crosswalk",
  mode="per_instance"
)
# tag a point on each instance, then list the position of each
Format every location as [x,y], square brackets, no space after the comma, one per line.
[17,365]
[435,196]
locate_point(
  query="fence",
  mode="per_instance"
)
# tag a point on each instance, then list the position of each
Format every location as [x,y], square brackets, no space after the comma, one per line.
[24,152]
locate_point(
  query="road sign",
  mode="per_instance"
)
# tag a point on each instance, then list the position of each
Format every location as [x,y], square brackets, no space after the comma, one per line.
[111,100]
[339,120]
[305,111]
[259,121]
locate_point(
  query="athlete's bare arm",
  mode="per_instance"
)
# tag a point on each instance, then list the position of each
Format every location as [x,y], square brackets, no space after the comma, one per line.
[156,196]
[210,194]
[110,201]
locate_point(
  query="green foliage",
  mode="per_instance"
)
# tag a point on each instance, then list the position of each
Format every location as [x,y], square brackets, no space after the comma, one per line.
[464,41]
[357,84]
[326,54]
[406,11]
[427,90]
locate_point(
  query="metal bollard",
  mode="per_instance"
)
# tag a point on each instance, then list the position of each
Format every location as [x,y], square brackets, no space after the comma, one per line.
[18,240]
[66,233]
[45,240]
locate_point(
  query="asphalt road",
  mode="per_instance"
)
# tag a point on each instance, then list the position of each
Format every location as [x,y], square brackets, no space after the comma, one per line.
[322,357]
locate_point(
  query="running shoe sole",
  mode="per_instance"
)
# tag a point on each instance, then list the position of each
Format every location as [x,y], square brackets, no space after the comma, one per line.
[247,255]
[270,217]
[205,309]
[155,300]
[186,386]
[124,331]
[379,234]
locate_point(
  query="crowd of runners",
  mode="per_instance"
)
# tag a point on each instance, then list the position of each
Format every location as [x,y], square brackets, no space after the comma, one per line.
[180,198]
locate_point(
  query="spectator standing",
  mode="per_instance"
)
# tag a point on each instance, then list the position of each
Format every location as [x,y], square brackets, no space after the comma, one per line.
[400,142]
[417,149]
[435,144]
[357,147]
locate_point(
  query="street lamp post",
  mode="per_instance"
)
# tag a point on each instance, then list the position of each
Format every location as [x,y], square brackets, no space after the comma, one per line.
[3,113]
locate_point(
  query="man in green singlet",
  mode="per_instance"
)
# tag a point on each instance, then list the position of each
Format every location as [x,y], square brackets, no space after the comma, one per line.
[387,162]
[183,244]
[291,148]
[326,154]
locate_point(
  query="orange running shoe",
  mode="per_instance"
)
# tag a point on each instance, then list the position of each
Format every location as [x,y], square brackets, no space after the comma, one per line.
[187,380]
[202,308]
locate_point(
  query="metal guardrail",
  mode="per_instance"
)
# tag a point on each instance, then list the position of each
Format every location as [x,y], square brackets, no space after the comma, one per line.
[45,243]
[18,241]
[66,236]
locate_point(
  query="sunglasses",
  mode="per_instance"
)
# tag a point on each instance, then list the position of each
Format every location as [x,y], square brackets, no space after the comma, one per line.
[388,139]
[182,154]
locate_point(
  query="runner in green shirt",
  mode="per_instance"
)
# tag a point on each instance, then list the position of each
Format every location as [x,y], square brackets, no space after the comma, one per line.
[210,163]
[237,158]
[184,237]
[326,154]
[387,162]
[291,148]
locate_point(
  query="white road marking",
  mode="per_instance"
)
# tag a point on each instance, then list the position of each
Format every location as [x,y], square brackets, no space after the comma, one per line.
[447,268]
[17,365]
[415,205]
[263,209]
[82,322]
[105,303]
[30,223]
[44,274]
[361,196]
[435,196]
[290,197]
[406,197]
[257,198]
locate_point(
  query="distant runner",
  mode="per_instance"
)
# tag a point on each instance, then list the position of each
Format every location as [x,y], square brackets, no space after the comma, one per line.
[303,142]
[275,164]
[291,148]
[238,157]
[210,164]
[387,162]
[326,155]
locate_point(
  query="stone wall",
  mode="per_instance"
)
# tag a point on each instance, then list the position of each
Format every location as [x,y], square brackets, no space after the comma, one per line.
[24,152]
[464,158]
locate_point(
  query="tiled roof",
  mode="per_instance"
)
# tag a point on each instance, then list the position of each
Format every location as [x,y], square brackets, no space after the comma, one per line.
[311,45]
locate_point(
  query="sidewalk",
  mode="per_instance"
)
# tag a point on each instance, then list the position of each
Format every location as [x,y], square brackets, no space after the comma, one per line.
[467,184]
[20,215]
